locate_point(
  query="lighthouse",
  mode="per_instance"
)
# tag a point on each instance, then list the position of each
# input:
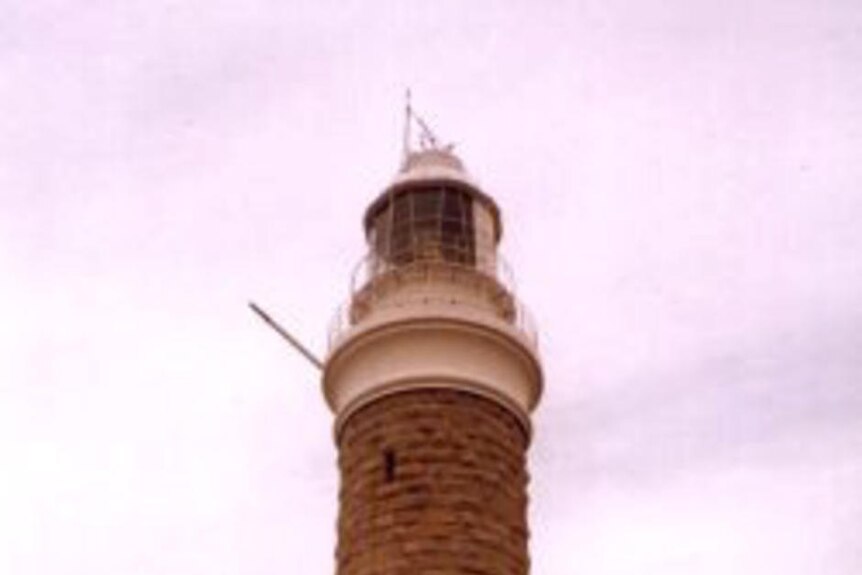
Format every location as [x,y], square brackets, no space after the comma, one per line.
[432,374]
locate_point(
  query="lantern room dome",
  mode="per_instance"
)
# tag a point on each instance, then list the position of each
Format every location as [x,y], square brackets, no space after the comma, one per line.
[432,164]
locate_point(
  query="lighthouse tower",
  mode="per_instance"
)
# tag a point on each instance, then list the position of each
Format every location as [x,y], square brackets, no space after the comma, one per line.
[432,374]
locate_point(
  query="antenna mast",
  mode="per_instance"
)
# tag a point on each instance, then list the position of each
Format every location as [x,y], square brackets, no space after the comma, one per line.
[427,139]
[408,114]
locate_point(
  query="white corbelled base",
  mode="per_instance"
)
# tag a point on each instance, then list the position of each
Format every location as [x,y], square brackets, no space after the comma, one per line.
[432,345]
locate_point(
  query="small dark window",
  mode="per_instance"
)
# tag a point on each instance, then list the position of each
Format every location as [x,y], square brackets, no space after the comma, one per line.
[389,465]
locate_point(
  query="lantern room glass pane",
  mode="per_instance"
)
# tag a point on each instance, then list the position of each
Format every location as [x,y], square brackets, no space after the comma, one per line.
[457,228]
[380,239]
[426,205]
[426,224]
[402,232]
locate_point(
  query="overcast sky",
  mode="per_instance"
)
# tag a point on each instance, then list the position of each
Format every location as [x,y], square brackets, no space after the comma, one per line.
[680,185]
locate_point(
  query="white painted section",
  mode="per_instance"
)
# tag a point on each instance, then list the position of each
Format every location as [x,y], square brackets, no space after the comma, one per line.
[433,165]
[438,329]
[432,352]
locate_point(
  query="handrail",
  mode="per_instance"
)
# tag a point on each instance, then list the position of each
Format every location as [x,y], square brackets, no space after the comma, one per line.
[370,276]
[430,249]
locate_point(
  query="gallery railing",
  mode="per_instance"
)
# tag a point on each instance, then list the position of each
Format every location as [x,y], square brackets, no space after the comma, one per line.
[426,262]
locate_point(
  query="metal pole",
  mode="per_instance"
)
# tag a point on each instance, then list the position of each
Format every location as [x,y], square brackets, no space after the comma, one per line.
[408,119]
[283,333]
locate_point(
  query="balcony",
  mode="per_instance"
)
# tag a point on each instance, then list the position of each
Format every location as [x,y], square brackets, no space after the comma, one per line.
[483,289]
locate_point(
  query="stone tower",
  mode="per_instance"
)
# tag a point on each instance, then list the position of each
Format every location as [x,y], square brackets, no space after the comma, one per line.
[432,375]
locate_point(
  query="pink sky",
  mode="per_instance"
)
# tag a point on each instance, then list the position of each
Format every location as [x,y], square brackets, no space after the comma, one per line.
[680,184]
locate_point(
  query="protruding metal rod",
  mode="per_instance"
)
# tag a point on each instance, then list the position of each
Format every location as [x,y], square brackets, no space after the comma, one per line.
[283,333]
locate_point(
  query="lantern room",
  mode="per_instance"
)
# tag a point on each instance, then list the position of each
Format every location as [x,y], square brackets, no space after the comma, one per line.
[433,212]
[433,238]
